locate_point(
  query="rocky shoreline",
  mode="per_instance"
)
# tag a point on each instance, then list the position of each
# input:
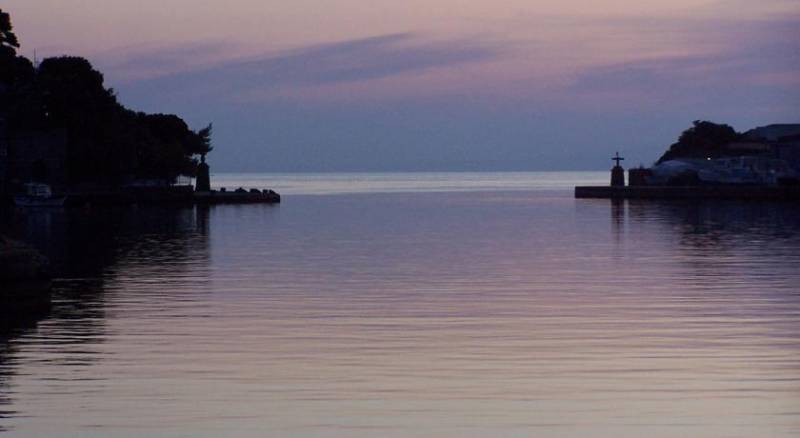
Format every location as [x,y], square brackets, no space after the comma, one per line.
[26,278]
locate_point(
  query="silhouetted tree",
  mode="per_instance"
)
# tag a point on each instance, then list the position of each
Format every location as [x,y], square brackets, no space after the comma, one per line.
[203,144]
[704,139]
[169,149]
[73,90]
[8,40]
[16,74]
[11,66]
[73,98]
[106,143]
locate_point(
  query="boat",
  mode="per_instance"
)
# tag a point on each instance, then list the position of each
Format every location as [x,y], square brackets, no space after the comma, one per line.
[39,195]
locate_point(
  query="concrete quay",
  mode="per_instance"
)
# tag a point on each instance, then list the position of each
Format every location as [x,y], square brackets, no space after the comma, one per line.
[738,192]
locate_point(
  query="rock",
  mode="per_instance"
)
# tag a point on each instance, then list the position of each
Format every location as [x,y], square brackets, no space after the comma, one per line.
[25,276]
[19,261]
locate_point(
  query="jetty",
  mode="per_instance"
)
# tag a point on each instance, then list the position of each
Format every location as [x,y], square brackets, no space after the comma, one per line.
[176,195]
[745,177]
[252,196]
[162,193]
[744,192]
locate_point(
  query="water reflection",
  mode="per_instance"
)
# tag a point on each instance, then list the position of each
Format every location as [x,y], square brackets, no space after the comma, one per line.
[429,314]
[726,240]
[718,218]
[90,249]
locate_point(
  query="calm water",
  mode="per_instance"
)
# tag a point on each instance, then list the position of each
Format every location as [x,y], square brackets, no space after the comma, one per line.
[429,305]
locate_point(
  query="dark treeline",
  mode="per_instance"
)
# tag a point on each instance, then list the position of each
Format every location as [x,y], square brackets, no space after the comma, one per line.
[106,142]
[704,139]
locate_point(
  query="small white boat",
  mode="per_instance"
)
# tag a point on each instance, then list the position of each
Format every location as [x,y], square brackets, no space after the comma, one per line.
[38,195]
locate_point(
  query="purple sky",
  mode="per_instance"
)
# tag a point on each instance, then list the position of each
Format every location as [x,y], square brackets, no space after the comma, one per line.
[434,85]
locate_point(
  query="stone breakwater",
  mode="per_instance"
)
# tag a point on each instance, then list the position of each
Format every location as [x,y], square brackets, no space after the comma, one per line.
[25,277]
[177,195]
[185,195]
[238,196]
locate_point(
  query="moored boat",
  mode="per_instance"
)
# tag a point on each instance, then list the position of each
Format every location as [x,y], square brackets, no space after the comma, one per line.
[38,195]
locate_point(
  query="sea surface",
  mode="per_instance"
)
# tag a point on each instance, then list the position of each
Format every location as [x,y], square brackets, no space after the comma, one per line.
[412,305]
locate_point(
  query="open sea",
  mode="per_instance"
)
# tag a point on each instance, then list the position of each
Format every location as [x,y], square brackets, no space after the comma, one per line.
[412,305]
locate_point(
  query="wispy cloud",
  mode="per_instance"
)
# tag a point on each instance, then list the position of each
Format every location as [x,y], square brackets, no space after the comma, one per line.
[761,62]
[131,63]
[350,61]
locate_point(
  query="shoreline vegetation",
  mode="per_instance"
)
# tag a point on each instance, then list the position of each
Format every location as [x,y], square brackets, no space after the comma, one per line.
[66,140]
[76,132]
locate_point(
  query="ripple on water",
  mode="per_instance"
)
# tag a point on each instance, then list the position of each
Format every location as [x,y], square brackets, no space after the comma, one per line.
[426,314]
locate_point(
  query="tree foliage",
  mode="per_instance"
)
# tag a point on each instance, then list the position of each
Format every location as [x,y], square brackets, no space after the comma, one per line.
[203,145]
[8,40]
[11,66]
[106,142]
[704,139]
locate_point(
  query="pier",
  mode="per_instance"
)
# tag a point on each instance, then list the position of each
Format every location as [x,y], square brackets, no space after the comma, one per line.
[688,188]
[252,196]
[777,193]
[172,195]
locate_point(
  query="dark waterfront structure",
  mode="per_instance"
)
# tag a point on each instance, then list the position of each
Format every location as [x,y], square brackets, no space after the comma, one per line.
[617,172]
[777,193]
[42,156]
[638,176]
[714,161]
[203,181]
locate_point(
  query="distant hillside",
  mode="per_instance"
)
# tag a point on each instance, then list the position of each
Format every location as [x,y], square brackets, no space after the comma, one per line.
[704,139]
[711,140]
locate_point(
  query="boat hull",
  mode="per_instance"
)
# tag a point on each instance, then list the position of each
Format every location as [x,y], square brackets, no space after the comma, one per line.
[33,201]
